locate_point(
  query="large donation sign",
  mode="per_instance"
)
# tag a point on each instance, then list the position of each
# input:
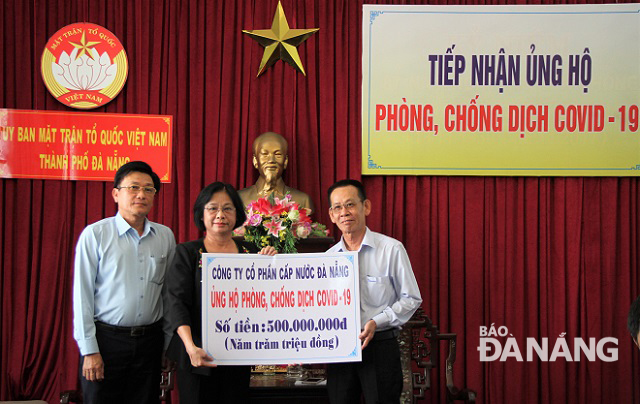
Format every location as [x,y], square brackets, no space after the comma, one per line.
[287,308]
[501,90]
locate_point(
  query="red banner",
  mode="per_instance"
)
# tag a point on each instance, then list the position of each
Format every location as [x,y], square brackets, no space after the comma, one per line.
[81,146]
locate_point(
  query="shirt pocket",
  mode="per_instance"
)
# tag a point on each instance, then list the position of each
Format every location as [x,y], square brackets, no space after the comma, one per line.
[159,267]
[378,289]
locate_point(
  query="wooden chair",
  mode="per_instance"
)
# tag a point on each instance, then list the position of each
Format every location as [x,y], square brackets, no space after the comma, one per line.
[167,380]
[420,343]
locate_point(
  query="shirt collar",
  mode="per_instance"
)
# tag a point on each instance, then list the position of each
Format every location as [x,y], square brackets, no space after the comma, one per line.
[124,227]
[368,241]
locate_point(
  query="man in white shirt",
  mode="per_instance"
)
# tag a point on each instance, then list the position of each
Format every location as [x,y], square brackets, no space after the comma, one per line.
[119,270]
[389,296]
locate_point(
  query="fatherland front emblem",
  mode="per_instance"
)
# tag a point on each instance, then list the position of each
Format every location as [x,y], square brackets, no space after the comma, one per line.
[84,66]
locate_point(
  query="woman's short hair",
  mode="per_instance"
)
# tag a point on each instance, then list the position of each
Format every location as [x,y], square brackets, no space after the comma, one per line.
[205,196]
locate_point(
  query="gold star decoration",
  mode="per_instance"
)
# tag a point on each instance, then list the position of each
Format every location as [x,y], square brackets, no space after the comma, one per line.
[84,46]
[280,42]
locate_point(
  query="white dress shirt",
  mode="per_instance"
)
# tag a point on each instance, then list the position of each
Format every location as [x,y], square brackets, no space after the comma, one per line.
[389,293]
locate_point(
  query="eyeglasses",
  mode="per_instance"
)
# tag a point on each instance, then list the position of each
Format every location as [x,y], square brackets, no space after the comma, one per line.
[134,189]
[338,208]
[226,210]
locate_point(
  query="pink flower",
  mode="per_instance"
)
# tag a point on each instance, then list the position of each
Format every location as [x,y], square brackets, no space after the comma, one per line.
[239,231]
[284,202]
[255,219]
[274,226]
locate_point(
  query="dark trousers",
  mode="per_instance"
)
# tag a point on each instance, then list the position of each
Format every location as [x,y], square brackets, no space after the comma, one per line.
[131,368]
[378,377]
[223,384]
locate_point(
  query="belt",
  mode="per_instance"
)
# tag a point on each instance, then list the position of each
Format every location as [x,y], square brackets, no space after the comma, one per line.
[137,331]
[386,334]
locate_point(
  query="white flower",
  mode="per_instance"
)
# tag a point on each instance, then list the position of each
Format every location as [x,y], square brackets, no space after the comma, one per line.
[294,215]
[303,231]
[84,73]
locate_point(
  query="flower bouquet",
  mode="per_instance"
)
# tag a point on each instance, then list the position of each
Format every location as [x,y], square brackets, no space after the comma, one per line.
[278,223]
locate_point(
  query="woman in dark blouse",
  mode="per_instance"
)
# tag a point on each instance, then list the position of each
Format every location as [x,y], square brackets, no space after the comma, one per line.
[218,210]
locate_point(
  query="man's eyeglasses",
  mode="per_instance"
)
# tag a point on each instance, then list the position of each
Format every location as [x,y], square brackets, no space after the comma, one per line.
[226,210]
[134,189]
[338,208]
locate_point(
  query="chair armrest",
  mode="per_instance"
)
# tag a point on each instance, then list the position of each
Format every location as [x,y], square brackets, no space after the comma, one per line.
[453,392]
[167,381]
[420,339]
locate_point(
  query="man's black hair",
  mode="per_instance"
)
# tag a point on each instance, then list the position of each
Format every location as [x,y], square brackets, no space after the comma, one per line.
[345,183]
[138,167]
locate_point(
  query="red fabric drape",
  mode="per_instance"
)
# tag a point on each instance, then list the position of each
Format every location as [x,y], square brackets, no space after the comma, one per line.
[541,256]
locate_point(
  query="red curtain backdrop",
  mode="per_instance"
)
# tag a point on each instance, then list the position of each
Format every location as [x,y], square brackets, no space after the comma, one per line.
[541,256]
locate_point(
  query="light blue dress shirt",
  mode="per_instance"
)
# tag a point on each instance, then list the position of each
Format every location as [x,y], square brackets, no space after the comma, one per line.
[389,293]
[118,277]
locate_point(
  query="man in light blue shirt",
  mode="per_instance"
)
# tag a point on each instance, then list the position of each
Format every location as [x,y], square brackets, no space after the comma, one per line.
[119,270]
[389,296]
